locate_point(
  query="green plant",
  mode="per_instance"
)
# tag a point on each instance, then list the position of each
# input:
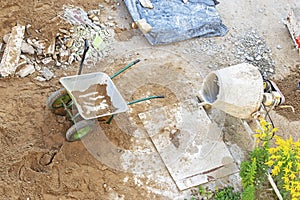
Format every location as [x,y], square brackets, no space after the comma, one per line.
[227,193]
[248,172]
[254,170]
[204,192]
[283,160]
[249,193]
[201,193]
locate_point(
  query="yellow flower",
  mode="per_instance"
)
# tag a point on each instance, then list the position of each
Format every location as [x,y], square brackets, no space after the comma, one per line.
[298,186]
[286,170]
[273,150]
[274,157]
[279,141]
[297,144]
[286,180]
[292,176]
[270,163]
[274,130]
[290,164]
[279,163]
[276,170]
[286,187]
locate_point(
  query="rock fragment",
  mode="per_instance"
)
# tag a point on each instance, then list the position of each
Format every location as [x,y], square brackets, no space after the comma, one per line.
[5,38]
[144,26]
[39,78]
[26,70]
[146,3]
[51,48]
[46,60]
[47,74]
[27,48]
[12,51]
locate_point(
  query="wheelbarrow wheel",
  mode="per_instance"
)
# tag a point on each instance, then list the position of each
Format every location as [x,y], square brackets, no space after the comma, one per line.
[79,130]
[56,99]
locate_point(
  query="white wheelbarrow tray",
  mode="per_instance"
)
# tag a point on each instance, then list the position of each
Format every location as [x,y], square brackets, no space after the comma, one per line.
[83,82]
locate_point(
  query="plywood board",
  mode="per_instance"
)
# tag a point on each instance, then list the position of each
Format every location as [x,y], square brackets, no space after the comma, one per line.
[189,144]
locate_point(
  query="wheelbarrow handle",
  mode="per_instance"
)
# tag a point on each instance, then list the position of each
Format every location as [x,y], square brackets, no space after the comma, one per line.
[136,101]
[86,48]
[144,99]
[126,67]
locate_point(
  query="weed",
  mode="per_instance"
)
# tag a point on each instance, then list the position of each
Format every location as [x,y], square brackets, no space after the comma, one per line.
[227,193]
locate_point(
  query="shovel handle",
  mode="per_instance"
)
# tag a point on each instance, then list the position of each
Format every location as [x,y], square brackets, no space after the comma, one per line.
[86,48]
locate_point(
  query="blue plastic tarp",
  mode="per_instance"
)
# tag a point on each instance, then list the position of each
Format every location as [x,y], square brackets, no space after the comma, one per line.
[173,20]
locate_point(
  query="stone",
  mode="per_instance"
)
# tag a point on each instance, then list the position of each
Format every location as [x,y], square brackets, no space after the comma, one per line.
[46,61]
[144,26]
[64,31]
[146,3]
[134,25]
[258,57]
[36,43]
[12,51]
[64,55]
[47,74]
[5,38]
[51,48]
[69,43]
[27,48]
[37,67]
[39,78]
[26,70]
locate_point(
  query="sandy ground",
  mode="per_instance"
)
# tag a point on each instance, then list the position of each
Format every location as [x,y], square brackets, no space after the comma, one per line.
[36,160]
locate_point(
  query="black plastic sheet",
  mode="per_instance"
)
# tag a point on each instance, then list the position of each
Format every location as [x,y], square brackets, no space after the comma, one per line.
[173,20]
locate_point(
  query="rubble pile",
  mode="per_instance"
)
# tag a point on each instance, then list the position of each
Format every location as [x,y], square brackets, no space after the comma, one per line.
[251,48]
[66,48]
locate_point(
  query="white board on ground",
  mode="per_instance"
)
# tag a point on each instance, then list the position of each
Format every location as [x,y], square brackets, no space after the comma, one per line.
[189,144]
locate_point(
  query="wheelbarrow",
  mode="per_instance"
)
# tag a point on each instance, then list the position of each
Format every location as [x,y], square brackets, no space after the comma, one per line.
[86,97]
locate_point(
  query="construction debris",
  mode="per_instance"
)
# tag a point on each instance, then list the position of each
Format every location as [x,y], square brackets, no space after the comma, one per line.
[26,70]
[144,26]
[12,51]
[39,78]
[27,48]
[47,74]
[77,16]
[146,3]
[65,48]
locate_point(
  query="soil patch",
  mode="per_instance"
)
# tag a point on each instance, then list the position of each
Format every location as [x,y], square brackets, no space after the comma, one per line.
[289,88]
